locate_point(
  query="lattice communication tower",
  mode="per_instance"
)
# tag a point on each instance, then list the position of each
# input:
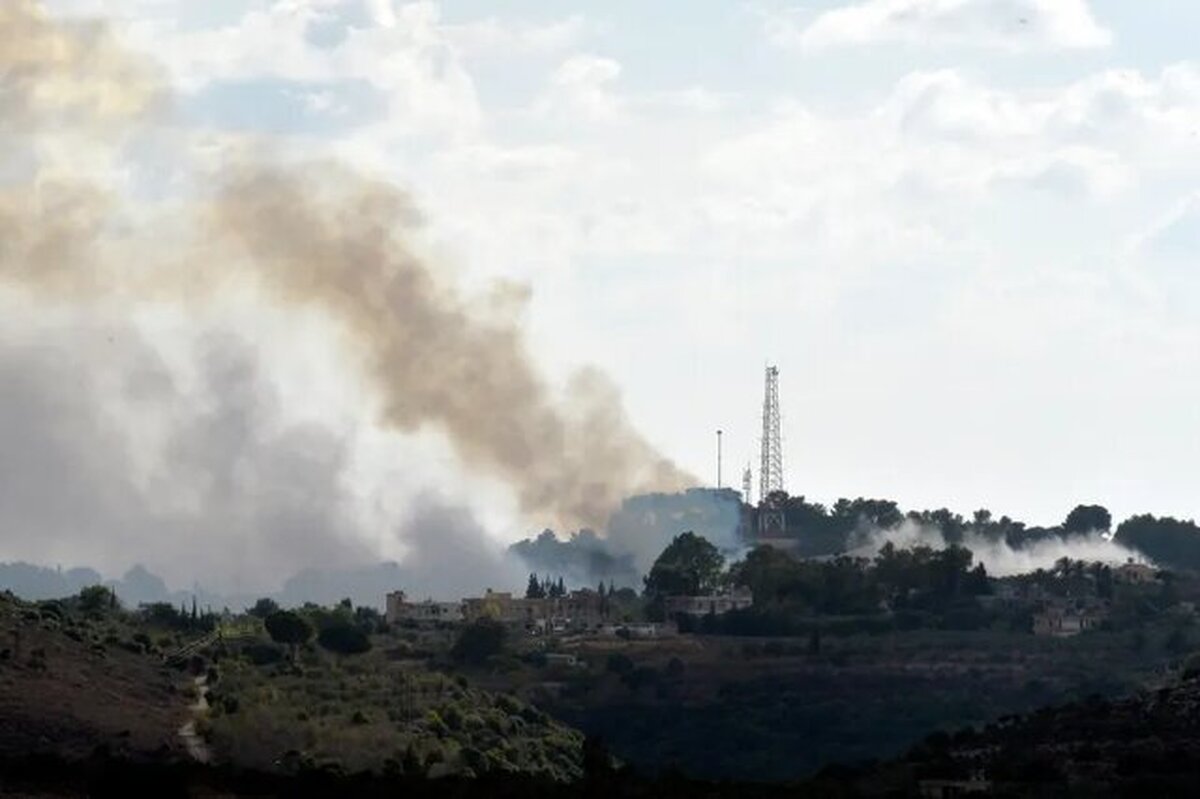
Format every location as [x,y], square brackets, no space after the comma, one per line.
[770,473]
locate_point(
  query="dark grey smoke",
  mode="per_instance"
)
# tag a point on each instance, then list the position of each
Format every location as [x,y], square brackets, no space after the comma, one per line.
[635,536]
[112,459]
[450,556]
[108,461]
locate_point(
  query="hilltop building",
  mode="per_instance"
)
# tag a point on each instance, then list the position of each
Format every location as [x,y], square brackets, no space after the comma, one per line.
[579,610]
[1136,573]
[399,609]
[1066,620]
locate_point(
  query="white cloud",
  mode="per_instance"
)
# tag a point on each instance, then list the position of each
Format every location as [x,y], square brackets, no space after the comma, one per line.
[580,89]
[1004,24]
[493,37]
[969,227]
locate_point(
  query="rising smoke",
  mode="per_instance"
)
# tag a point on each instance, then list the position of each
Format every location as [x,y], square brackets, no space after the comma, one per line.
[231,481]
[1000,558]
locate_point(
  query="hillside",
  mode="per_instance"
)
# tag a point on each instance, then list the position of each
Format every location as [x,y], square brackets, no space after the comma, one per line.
[781,711]
[70,684]
[388,710]
[81,676]
[1146,744]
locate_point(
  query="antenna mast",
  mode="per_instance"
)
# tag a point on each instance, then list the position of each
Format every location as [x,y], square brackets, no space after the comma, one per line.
[770,473]
[718,459]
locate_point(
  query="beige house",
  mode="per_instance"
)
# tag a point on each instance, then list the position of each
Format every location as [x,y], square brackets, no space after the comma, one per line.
[714,604]
[1137,573]
[579,610]
[399,609]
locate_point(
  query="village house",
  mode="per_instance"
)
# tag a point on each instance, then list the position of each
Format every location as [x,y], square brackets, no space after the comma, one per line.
[1136,573]
[1061,621]
[400,610]
[638,630]
[580,610]
[714,604]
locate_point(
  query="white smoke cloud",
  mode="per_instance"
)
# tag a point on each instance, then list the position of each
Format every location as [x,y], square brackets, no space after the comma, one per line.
[998,557]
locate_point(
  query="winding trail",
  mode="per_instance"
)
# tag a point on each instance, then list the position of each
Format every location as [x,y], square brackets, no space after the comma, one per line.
[196,748]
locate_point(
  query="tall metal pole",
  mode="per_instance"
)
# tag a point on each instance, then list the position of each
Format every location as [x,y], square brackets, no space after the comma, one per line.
[718,459]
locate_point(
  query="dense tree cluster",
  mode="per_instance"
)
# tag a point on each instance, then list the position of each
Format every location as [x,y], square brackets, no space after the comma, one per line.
[1166,541]
[917,578]
[545,588]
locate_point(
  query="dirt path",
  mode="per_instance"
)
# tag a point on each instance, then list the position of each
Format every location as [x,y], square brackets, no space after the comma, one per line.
[192,741]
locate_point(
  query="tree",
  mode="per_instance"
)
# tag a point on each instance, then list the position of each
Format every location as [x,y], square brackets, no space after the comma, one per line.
[96,598]
[263,608]
[288,628]
[689,566]
[479,640]
[369,620]
[1169,542]
[770,574]
[344,639]
[1087,519]
[534,589]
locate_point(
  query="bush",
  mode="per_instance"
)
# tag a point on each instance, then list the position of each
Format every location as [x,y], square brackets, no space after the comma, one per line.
[286,627]
[262,654]
[96,599]
[344,639]
[479,641]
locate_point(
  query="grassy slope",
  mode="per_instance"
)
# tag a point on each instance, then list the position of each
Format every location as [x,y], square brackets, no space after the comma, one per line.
[66,691]
[363,711]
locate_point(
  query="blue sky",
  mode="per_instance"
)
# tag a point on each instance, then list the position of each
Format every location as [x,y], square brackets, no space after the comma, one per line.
[964,229]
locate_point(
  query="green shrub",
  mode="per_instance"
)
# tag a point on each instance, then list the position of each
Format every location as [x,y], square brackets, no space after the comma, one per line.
[261,653]
[479,641]
[344,639]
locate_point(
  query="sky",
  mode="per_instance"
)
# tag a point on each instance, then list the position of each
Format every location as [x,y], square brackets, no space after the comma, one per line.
[964,230]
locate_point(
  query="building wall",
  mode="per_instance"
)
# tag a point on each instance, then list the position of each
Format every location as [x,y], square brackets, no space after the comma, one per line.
[716,604]
[399,609]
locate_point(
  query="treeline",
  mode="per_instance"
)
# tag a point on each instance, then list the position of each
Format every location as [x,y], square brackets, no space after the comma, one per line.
[343,629]
[820,530]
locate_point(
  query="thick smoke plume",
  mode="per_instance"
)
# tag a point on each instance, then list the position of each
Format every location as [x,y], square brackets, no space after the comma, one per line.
[308,238]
